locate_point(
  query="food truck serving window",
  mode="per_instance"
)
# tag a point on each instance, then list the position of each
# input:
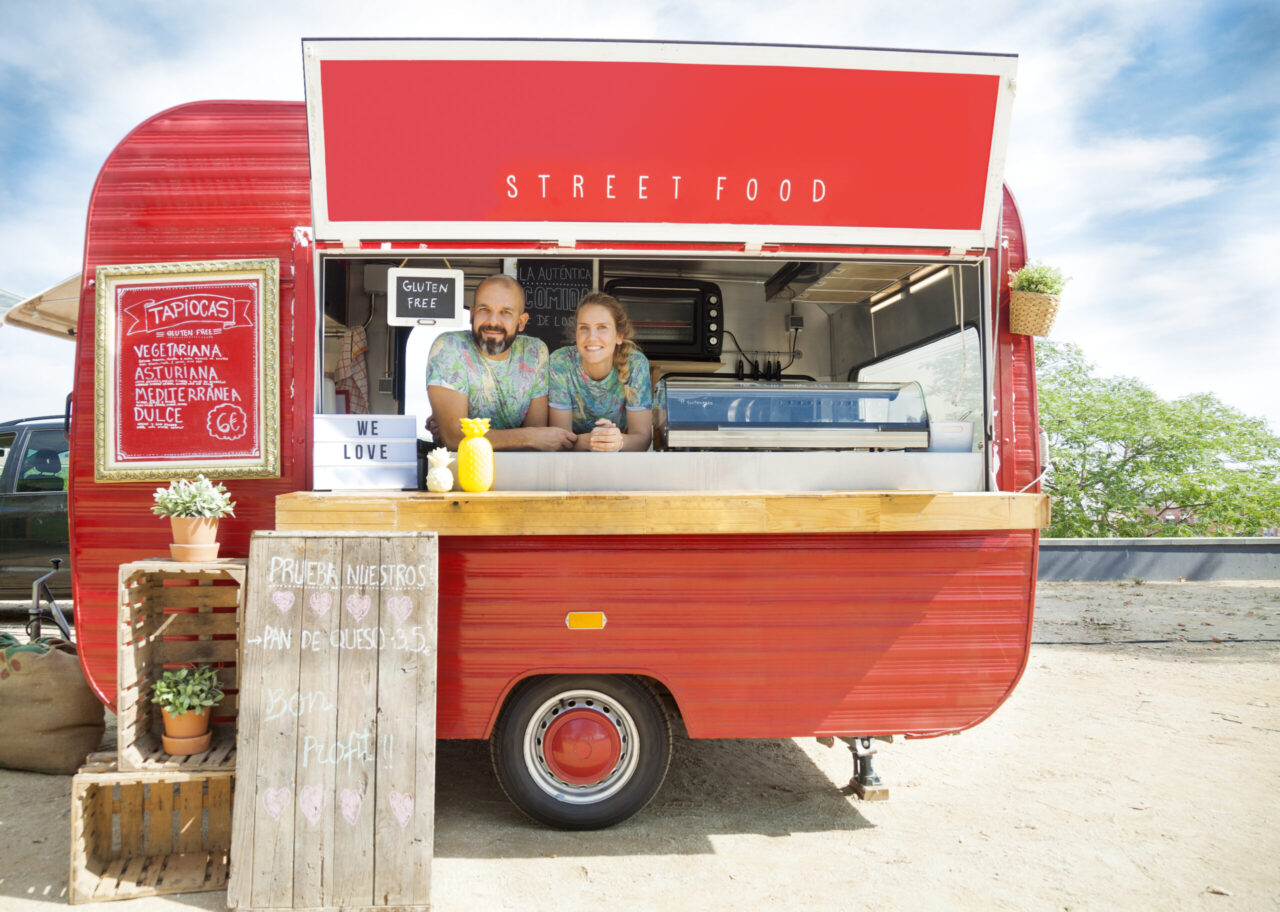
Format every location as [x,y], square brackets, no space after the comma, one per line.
[810,380]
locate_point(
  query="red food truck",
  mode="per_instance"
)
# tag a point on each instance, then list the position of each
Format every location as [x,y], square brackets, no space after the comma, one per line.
[835,532]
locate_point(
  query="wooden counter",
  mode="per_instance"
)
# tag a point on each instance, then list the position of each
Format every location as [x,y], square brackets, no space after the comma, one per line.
[659,512]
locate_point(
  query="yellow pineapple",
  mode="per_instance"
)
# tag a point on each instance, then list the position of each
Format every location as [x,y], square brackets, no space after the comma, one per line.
[475,456]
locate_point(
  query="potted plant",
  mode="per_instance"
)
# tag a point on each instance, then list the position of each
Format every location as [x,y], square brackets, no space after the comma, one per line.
[193,508]
[185,696]
[1033,299]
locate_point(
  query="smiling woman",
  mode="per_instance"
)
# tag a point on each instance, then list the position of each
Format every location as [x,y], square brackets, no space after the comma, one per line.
[599,388]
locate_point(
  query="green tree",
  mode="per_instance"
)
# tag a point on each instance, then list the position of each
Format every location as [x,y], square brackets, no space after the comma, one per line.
[1127,463]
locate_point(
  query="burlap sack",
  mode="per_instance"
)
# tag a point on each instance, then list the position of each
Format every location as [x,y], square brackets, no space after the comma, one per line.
[49,718]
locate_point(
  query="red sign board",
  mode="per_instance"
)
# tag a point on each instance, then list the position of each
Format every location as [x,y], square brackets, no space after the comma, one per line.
[189,374]
[645,141]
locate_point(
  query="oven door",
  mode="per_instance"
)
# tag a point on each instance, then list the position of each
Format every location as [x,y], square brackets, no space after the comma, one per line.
[678,319]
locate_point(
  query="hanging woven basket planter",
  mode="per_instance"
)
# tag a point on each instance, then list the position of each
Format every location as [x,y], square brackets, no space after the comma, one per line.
[1032,313]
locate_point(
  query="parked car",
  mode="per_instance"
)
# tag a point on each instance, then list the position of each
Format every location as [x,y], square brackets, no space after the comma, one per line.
[33,505]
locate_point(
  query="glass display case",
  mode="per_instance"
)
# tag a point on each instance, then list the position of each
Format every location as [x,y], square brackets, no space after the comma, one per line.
[714,414]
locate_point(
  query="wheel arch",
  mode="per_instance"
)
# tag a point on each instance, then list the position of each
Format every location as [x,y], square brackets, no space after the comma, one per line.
[654,681]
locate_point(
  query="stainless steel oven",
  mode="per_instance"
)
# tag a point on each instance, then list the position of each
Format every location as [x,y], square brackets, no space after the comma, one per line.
[679,319]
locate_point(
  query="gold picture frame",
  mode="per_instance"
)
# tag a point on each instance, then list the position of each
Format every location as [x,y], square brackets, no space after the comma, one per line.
[186,370]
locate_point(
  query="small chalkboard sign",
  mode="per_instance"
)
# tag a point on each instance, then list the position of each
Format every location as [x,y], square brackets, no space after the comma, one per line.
[425,297]
[552,291]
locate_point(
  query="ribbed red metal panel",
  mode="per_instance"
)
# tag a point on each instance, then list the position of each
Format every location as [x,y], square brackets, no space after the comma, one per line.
[760,636]
[1017,415]
[755,635]
[204,181]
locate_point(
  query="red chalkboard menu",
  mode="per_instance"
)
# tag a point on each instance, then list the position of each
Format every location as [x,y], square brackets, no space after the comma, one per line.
[186,370]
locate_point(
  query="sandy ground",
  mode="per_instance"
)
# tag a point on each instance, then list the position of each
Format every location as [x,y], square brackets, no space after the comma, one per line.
[1136,766]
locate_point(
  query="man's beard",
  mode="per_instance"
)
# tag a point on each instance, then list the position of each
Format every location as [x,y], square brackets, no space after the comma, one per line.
[492,347]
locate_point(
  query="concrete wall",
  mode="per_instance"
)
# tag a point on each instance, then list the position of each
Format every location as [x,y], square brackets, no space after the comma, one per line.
[1098,559]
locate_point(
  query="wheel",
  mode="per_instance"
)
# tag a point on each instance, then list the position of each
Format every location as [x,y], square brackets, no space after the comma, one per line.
[581,752]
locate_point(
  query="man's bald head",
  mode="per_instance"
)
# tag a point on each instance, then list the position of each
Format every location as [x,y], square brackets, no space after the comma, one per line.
[502,280]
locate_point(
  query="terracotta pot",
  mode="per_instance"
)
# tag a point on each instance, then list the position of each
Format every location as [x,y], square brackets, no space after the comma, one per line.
[185,747]
[186,734]
[190,723]
[195,538]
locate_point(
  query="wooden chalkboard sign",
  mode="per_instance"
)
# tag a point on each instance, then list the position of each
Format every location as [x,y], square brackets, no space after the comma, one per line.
[335,793]
[552,290]
[186,370]
[425,297]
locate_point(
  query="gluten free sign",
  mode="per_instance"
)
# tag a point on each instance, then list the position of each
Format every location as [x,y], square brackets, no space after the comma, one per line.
[425,297]
[336,745]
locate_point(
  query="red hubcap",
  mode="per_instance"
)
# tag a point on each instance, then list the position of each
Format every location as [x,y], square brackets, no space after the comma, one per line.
[582,746]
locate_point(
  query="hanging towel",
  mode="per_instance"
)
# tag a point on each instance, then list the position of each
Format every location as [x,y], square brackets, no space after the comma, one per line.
[351,375]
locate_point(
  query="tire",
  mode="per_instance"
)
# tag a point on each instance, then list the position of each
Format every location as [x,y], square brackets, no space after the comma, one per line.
[581,752]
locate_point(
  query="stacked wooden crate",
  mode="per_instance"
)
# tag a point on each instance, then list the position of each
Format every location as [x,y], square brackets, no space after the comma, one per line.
[145,833]
[144,822]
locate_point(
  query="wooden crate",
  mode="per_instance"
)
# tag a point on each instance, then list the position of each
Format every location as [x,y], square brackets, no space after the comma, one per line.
[145,833]
[172,614]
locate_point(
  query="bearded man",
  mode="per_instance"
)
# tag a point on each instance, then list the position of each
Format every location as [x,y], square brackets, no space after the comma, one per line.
[493,372]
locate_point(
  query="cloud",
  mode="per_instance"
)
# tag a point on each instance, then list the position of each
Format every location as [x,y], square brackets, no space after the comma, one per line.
[86,74]
[1144,149]
[37,375]
[1079,184]
[1202,321]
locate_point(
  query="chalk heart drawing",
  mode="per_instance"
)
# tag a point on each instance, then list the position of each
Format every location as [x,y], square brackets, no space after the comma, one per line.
[282,599]
[311,800]
[276,800]
[400,606]
[358,606]
[349,800]
[401,807]
[321,602]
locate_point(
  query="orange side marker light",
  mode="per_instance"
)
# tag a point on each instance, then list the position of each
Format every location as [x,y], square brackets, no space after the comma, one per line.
[585,620]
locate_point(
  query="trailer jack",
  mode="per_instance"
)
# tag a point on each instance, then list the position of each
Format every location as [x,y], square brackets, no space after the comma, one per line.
[865,783]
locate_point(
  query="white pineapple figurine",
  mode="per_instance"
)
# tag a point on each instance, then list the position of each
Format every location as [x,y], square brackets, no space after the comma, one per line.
[439,477]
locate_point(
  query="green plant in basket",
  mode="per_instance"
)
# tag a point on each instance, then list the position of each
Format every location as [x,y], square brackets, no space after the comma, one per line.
[193,499]
[1038,278]
[186,689]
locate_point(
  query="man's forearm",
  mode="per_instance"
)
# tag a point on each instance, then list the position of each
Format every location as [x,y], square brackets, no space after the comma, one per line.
[513,439]
[636,442]
[510,439]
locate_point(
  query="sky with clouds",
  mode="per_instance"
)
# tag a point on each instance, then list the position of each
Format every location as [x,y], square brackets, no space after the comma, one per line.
[1144,154]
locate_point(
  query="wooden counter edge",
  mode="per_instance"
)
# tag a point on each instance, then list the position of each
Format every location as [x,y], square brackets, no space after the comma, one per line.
[661,512]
